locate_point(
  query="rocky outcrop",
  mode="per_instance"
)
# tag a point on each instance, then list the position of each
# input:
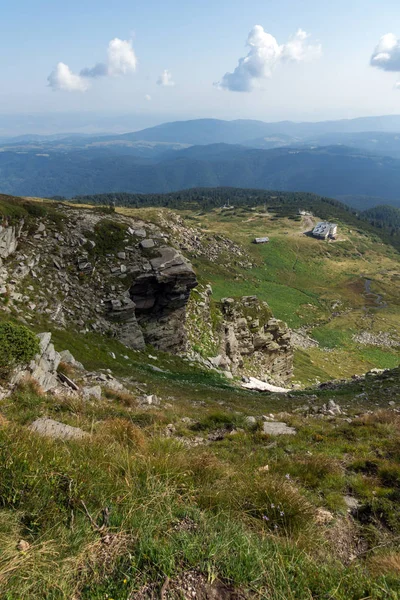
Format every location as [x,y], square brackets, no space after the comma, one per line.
[161,296]
[43,369]
[110,274]
[250,331]
[241,337]
[9,235]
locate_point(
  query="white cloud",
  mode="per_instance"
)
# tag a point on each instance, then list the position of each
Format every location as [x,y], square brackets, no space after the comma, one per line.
[386,55]
[264,56]
[121,60]
[147,97]
[121,57]
[165,79]
[63,79]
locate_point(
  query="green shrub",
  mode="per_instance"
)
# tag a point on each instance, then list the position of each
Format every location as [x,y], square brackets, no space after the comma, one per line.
[18,345]
[109,236]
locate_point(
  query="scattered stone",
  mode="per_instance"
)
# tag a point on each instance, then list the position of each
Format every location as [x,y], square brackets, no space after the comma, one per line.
[23,546]
[68,381]
[351,503]
[92,392]
[263,386]
[251,421]
[55,429]
[147,244]
[68,358]
[276,428]
[151,400]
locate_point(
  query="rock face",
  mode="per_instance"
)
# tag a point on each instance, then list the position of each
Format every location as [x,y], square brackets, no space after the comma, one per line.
[110,274]
[9,235]
[243,335]
[161,296]
[249,330]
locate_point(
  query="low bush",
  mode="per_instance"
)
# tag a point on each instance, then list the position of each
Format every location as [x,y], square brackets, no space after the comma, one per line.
[18,345]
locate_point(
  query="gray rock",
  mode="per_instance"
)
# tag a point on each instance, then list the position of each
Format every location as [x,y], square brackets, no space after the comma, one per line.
[43,369]
[351,502]
[276,428]
[57,430]
[67,357]
[251,421]
[146,244]
[92,392]
[334,408]
[9,240]
[151,400]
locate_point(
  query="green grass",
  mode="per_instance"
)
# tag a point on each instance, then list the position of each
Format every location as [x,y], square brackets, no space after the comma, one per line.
[254,529]
[313,283]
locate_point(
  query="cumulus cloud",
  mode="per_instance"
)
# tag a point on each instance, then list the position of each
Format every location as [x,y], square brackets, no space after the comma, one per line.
[264,56]
[165,79]
[121,57]
[63,79]
[121,60]
[386,55]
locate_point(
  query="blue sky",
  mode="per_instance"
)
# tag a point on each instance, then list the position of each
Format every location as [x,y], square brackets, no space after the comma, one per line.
[198,43]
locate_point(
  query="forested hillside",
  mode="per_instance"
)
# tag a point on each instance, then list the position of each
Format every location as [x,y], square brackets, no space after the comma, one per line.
[333,171]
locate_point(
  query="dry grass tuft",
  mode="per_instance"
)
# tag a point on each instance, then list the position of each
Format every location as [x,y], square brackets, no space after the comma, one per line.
[385,564]
[383,417]
[32,564]
[124,432]
[99,559]
[125,398]
[28,385]
[65,369]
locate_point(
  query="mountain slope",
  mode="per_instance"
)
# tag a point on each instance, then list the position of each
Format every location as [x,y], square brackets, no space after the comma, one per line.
[332,171]
[144,474]
[209,131]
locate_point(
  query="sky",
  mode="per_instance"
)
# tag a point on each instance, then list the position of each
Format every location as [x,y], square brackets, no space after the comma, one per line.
[126,64]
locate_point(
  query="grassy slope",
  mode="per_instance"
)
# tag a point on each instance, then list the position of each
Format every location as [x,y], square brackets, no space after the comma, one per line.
[308,282]
[214,508]
[209,508]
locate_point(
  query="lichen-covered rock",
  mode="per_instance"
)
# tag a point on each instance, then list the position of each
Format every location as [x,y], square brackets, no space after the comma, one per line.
[241,336]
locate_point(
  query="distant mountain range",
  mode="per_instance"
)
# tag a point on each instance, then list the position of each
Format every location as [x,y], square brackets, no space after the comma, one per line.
[356,160]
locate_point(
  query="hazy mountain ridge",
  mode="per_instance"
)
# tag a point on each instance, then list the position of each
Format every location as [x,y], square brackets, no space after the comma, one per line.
[332,171]
[333,158]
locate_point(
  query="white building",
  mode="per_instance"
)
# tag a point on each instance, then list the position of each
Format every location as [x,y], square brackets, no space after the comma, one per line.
[325,230]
